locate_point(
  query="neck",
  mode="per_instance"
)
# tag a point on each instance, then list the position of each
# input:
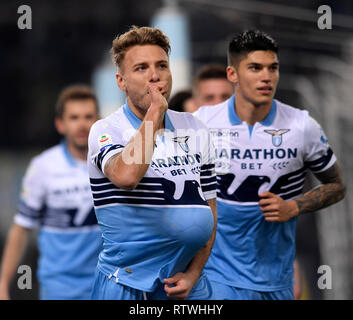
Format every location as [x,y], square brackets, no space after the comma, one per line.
[249,112]
[140,112]
[77,153]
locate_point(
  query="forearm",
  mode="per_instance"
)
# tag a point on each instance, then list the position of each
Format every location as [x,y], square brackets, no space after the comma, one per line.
[320,197]
[127,168]
[331,191]
[14,248]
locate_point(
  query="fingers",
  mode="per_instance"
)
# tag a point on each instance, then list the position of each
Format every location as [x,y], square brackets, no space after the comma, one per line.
[175,288]
[272,219]
[157,88]
[267,194]
[269,206]
[269,201]
[170,281]
[266,202]
[157,91]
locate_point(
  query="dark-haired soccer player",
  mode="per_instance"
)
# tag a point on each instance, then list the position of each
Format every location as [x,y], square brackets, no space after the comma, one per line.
[264,148]
[211,86]
[56,199]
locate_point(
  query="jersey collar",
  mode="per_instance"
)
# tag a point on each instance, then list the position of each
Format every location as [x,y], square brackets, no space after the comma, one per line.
[77,163]
[234,119]
[69,158]
[136,122]
[271,115]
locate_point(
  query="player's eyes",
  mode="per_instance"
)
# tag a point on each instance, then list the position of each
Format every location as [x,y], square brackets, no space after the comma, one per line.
[163,66]
[255,68]
[140,68]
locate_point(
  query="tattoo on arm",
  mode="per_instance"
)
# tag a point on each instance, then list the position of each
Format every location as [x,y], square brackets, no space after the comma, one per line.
[331,191]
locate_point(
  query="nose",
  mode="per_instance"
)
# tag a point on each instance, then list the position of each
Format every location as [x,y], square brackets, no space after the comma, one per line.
[266,75]
[84,123]
[154,75]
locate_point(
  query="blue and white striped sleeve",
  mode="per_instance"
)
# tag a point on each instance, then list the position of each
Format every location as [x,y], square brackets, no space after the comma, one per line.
[32,199]
[208,174]
[318,153]
[103,143]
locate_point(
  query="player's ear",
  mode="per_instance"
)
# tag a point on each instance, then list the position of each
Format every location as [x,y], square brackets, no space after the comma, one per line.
[59,125]
[121,81]
[232,74]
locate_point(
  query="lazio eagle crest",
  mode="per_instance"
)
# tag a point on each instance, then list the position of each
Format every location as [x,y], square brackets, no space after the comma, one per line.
[277,136]
[182,141]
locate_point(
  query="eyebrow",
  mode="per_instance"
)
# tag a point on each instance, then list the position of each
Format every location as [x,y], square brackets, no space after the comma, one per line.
[260,64]
[146,63]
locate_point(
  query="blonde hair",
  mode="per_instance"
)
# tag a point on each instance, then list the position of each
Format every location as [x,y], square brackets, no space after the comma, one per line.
[137,36]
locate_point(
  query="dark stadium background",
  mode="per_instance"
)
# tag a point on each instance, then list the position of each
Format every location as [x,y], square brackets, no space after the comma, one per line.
[69,38]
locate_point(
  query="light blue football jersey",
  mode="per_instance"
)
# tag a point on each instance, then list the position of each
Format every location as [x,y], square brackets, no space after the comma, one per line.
[153,232]
[272,155]
[56,198]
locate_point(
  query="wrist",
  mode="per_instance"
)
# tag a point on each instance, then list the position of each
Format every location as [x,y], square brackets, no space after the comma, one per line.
[155,114]
[295,208]
[194,275]
[157,108]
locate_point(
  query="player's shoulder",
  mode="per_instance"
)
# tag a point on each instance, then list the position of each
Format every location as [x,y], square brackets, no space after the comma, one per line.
[49,154]
[110,124]
[184,120]
[212,114]
[47,157]
[288,113]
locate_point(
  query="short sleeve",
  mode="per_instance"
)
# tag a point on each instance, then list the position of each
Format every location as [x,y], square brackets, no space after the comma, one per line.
[104,141]
[32,198]
[318,155]
[208,177]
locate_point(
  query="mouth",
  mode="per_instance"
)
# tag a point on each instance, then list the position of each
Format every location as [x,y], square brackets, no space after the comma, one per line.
[266,90]
[82,135]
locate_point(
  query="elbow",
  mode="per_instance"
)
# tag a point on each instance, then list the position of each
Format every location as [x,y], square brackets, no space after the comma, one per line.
[129,185]
[123,178]
[125,182]
[341,192]
[344,191]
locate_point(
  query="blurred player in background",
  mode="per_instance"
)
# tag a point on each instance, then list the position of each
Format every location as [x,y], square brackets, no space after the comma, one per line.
[182,101]
[56,198]
[211,86]
[154,189]
[264,148]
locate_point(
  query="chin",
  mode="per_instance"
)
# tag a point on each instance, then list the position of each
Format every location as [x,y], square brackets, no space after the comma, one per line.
[81,145]
[264,101]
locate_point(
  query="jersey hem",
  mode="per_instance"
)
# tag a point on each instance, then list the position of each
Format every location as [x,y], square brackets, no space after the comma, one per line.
[125,283]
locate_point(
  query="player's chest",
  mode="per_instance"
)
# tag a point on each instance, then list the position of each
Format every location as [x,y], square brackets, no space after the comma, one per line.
[69,187]
[176,157]
[258,148]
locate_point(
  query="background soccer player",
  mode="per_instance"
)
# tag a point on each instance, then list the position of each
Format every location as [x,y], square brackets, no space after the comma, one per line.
[211,86]
[56,198]
[154,189]
[182,101]
[264,148]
